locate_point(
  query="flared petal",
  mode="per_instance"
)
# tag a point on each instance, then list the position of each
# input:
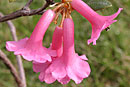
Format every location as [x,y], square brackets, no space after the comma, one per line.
[64,80]
[42,76]
[44,69]
[69,65]
[16,45]
[114,15]
[49,78]
[78,70]
[31,49]
[39,67]
[40,55]
[97,21]
[57,69]
[73,76]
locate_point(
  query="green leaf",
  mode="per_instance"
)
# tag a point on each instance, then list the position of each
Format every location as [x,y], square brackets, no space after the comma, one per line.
[57,0]
[11,1]
[98,4]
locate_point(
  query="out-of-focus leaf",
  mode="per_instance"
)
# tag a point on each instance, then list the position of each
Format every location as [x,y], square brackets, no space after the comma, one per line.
[11,1]
[57,0]
[98,4]
[95,4]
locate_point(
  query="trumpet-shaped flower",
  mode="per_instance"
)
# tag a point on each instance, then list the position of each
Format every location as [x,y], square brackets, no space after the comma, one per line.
[57,41]
[31,48]
[41,67]
[69,65]
[97,21]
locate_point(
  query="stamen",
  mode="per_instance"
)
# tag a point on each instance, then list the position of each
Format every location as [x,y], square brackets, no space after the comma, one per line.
[63,8]
[55,4]
[70,8]
[63,17]
[57,7]
[67,13]
[70,16]
[57,15]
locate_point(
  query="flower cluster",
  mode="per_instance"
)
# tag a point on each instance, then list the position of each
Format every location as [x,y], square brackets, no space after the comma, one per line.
[59,61]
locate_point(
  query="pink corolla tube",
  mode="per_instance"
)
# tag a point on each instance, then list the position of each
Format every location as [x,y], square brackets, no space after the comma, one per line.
[56,45]
[97,21]
[69,65]
[31,48]
[57,41]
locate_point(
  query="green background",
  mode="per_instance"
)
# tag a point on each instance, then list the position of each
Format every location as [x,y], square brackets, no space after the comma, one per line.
[109,59]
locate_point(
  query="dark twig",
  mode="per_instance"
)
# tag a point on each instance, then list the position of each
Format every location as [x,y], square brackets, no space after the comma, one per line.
[12,69]
[18,58]
[25,11]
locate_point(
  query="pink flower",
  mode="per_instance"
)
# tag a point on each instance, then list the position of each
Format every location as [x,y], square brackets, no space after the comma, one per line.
[31,48]
[57,41]
[41,67]
[97,21]
[69,65]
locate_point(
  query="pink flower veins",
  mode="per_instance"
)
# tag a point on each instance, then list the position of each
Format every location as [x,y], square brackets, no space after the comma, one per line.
[97,21]
[31,48]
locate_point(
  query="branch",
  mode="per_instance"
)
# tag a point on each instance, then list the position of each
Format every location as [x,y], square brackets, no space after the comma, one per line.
[18,58]
[12,69]
[25,11]
[28,3]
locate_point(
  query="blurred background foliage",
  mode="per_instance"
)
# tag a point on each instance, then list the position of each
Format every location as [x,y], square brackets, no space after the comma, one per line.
[109,59]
